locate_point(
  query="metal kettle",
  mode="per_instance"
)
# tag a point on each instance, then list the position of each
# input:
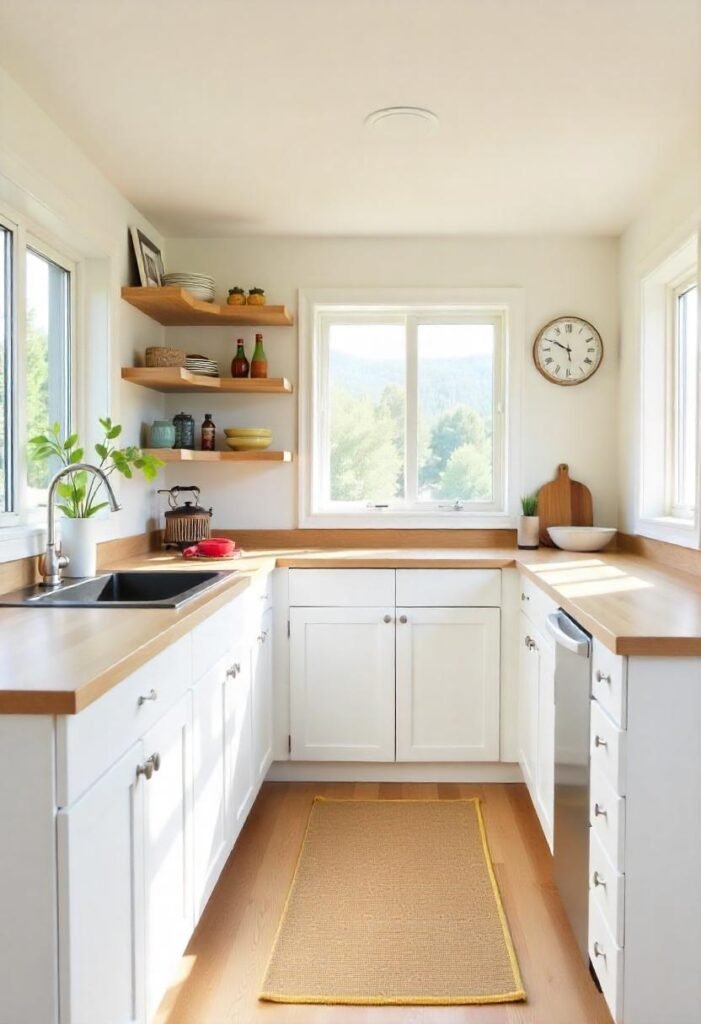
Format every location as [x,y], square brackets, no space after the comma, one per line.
[188,523]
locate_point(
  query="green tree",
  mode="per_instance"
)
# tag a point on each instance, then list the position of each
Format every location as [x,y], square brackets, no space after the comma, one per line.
[468,475]
[454,429]
[365,461]
[37,394]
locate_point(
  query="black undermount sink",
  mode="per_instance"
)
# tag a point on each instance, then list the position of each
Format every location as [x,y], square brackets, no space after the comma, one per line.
[157,589]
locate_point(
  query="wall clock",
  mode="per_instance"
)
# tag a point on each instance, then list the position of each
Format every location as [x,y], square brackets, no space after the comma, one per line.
[568,350]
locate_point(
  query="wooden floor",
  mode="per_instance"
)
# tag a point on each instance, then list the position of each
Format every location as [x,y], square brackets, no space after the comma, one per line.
[224,964]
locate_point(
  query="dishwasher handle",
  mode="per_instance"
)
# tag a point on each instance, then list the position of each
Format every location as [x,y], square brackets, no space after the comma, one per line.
[567,634]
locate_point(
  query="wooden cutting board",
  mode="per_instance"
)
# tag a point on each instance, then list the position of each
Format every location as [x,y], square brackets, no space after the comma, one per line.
[563,502]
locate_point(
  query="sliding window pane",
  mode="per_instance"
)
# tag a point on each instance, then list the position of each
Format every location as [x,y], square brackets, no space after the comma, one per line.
[367,412]
[455,429]
[5,370]
[46,359]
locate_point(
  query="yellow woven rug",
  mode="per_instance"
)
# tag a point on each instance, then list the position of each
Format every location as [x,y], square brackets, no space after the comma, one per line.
[394,902]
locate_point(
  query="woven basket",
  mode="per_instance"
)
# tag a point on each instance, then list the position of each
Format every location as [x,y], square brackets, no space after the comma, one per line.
[158,355]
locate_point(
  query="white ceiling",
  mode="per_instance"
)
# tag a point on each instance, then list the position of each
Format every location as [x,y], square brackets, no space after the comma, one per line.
[222,117]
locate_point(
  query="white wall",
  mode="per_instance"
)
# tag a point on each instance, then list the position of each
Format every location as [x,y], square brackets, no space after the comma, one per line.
[671,215]
[46,178]
[575,425]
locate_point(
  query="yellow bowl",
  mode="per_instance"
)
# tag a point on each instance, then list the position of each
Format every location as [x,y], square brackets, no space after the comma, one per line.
[249,444]
[248,432]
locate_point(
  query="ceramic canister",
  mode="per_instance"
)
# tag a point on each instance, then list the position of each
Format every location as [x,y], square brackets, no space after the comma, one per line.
[162,434]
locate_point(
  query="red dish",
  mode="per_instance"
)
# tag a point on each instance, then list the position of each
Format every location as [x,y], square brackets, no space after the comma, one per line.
[213,547]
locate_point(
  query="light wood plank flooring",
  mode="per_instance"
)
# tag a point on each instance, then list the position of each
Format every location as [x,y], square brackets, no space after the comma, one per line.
[224,964]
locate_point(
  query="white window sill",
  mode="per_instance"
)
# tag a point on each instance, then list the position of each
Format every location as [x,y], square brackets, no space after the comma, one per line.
[672,530]
[21,540]
[408,521]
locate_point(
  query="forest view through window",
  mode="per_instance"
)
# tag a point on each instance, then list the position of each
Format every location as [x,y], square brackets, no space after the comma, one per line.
[412,412]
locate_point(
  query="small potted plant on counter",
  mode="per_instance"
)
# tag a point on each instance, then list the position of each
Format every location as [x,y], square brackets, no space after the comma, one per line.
[256,297]
[79,493]
[529,523]
[237,296]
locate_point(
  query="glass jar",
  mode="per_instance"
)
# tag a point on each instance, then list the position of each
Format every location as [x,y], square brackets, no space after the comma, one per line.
[162,434]
[184,425]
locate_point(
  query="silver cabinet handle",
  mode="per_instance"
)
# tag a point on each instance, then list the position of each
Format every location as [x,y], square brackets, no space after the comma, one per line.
[233,670]
[155,760]
[151,764]
[151,695]
[599,879]
[601,677]
[524,597]
[599,950]
[387,618]
[530,643]
[403,619]
[600,812]
[600,742]
[263,635]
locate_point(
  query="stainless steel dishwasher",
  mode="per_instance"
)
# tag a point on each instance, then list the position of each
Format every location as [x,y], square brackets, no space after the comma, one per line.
[571,824]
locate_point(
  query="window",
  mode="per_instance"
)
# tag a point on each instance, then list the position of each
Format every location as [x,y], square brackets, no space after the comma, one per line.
[684,404]
[35,360]
[670,400]
[406,414]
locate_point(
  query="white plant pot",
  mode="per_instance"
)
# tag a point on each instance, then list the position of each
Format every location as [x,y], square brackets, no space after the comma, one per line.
[79,542]
[528,531]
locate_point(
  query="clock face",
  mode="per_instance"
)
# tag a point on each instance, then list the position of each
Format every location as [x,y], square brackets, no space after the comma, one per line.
[568,350]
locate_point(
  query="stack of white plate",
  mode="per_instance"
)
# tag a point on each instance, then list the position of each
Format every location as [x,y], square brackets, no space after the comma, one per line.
[202,365]
[200,286]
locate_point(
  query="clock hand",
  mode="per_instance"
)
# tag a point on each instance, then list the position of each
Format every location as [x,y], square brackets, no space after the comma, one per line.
[567,348]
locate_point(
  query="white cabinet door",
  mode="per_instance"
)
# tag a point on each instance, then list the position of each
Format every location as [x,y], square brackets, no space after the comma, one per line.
[262,697]
[447,684]
[168,849]
[342,684]
[545,765]
[210,834]
[101,924]
[529,668]
[238,735]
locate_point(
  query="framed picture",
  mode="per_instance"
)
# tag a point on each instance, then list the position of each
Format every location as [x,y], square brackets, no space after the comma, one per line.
[149,261]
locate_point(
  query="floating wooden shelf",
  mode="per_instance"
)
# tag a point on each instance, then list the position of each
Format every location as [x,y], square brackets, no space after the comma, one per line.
[188,455]
[175,307]
[175,378]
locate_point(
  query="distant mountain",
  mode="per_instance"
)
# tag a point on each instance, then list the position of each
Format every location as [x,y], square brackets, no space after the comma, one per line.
[445,383]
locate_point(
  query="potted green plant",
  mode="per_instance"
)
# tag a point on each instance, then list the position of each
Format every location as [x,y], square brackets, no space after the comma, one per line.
[80,492]
[529,523]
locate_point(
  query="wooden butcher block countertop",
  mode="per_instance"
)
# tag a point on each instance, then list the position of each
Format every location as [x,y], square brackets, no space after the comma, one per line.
[59,660]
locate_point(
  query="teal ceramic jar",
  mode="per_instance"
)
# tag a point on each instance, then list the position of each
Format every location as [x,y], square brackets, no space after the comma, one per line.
[162,434]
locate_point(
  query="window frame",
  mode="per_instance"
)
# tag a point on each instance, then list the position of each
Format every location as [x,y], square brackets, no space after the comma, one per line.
[27,236]
[504,307]
[661,282]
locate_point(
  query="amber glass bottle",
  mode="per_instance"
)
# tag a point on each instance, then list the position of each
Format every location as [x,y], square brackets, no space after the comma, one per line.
[259,363]
[208,433]
[239,364]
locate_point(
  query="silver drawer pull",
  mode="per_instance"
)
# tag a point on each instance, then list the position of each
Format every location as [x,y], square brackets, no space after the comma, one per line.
[599,742]
[151,764]
[263,635]
[599,880]
[233,671]
[600,812]
[151,695]
[530,643]
[155,760]
[602,678]
[403,619]
[524,597]
[599,951]
[386,618]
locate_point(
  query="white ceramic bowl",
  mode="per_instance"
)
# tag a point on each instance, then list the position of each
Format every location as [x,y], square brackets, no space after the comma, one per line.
[581,538]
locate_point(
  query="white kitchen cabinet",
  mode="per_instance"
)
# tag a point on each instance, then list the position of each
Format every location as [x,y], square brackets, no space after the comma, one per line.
[211,846]
[536,720]
[262,696]
[238,741]
[447,684]
[529,671]
[169,905]
[342,684]
[101,955]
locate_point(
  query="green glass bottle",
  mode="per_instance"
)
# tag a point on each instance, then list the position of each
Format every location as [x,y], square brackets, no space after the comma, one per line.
[259,362]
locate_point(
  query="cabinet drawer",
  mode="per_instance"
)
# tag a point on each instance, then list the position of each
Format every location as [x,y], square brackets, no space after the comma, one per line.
[608,744]
[535,603]
[444,588]
[260,593]
[609,682]
[341,588]
[213,637]
[607,960]
[606,888]
[91,741]
[608,818]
